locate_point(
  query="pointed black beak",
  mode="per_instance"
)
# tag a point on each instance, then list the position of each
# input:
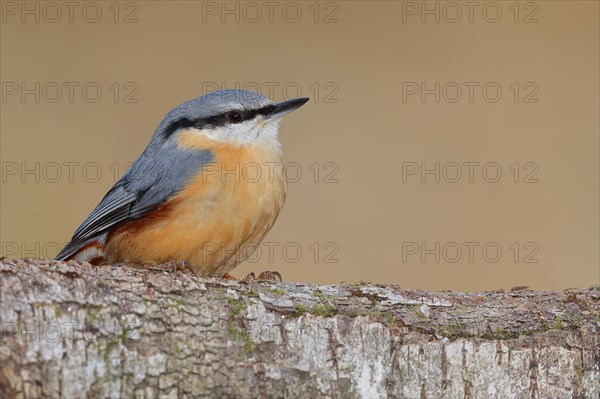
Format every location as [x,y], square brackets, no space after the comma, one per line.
[284,108]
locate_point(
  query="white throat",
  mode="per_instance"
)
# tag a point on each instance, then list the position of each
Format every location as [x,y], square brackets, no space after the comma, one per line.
[256,132]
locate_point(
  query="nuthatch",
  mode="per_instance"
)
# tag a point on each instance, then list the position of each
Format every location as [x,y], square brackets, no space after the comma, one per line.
[184,199]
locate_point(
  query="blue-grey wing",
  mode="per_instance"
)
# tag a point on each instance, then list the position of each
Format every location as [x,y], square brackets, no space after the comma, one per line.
[150,181]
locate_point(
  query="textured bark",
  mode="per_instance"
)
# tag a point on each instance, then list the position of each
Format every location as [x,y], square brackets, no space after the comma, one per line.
[73,330]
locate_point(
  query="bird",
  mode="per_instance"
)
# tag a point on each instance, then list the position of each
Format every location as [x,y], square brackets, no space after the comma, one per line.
[193,197]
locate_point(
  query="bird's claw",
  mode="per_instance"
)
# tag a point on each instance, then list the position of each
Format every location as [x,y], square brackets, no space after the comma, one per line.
[268,276]
[272,276]
[249,278]
[174,266]
[228,277]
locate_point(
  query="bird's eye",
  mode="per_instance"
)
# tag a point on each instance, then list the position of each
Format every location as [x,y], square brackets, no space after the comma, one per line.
[234,116]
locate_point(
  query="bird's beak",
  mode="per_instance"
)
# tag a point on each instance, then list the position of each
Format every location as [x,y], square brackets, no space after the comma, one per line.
[286,107]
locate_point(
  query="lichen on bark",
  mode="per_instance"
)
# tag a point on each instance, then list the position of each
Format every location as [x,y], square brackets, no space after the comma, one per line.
[74,330]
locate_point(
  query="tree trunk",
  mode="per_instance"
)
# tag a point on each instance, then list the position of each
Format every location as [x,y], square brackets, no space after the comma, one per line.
[73,330]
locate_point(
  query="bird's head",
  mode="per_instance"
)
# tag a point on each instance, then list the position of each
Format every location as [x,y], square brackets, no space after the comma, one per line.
[235,117]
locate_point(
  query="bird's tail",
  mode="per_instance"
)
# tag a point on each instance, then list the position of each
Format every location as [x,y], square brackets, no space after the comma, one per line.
[90,250]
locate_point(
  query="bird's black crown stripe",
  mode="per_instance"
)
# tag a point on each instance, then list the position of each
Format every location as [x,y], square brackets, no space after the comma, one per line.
[216,120]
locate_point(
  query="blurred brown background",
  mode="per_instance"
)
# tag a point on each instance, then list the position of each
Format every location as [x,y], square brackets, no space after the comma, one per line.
[398,88]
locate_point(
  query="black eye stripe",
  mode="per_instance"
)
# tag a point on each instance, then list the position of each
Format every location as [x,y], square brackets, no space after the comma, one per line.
[214,121]
[182,123]
[251,113]
[266,109]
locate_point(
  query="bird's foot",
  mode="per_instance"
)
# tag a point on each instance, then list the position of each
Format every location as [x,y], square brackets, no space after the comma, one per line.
[268,276]
[174,266]
[129,264]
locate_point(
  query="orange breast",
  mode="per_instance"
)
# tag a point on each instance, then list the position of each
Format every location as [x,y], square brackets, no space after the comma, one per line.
[217,220]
